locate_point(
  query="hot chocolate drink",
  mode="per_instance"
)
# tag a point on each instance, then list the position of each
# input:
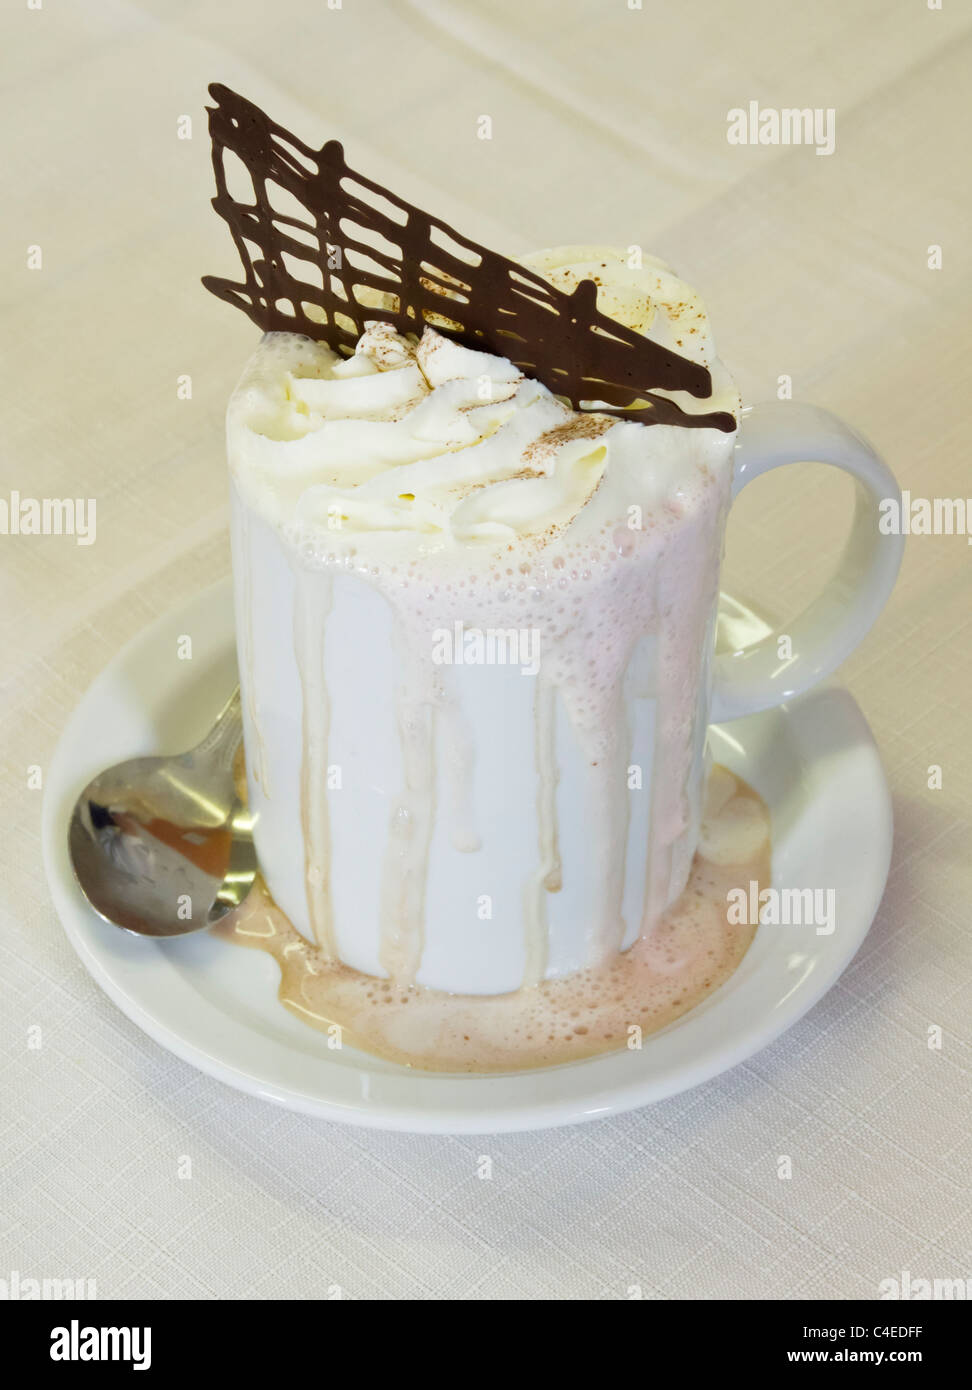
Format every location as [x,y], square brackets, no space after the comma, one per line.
[474,630]
[477,516]
[616,1004]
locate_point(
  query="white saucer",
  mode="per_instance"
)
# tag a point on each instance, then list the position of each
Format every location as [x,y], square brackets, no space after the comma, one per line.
[215,1005]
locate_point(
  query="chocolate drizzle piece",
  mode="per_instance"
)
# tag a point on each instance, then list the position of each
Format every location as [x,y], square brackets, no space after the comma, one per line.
[317,233]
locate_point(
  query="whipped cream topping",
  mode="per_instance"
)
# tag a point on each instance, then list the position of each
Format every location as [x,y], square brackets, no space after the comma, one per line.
[455,446]
[643,293]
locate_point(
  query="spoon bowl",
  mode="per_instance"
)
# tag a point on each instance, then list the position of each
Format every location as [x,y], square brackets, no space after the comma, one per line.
[163,846]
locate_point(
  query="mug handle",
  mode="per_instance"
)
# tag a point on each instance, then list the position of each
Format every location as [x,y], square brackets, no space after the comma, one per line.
[757,677]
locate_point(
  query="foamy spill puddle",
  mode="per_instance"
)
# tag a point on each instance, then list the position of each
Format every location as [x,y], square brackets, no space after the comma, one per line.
[690,953]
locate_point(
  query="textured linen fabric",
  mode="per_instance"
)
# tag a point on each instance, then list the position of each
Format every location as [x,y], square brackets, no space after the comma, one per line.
[608,124]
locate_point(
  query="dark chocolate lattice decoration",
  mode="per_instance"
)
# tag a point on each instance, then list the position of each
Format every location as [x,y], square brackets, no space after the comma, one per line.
[320,244]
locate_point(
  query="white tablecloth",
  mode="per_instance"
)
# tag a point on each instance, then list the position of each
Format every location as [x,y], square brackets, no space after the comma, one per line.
[609,124]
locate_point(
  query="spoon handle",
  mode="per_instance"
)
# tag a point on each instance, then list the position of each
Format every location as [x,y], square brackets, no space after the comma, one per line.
[222,741]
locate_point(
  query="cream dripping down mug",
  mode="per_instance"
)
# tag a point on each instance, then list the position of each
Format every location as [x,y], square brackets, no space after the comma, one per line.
[476,632]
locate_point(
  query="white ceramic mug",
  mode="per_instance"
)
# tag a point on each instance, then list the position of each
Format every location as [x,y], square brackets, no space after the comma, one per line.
[465,950]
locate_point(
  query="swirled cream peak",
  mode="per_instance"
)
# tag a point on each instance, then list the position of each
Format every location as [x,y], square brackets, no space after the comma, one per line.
[637,290]
[450,445]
